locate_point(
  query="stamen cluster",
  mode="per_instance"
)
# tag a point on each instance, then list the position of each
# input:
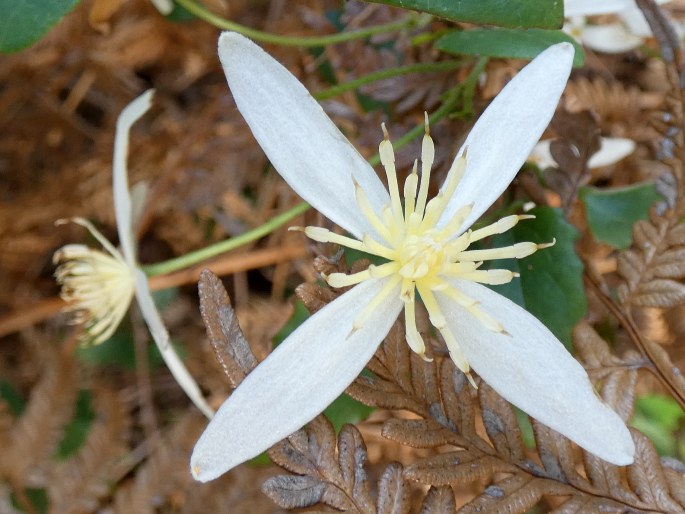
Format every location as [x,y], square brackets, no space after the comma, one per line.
[97,286]
[424,252]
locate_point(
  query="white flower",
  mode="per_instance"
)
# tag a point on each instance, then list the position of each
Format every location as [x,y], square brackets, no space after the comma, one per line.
[100,285]
[611,151]
[97,286]
[165,7]
[425,249]
[627,34]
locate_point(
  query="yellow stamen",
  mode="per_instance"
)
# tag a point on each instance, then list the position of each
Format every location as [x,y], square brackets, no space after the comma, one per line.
[422,256]
[97,286]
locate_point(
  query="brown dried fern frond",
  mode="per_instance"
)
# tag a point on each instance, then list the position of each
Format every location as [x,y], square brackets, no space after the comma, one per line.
[332,474]
[164,474]
[559,469]
[35,435]
[618,107]
[652,270]
[78,484]
[618,375]
[475,435]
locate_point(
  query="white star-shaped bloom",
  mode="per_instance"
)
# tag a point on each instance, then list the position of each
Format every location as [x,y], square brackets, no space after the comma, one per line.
[99,286]
[425,243]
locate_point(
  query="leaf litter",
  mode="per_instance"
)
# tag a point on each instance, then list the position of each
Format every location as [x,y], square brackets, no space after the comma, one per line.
[434,443]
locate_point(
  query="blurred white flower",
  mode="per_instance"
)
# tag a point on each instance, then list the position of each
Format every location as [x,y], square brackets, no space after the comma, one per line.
[163,6]
[425,244]
[626,34]
[97,286]
[100,286]
[611,151]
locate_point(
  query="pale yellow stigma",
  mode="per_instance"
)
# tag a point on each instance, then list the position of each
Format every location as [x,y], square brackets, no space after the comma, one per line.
[422,256]
[98,286]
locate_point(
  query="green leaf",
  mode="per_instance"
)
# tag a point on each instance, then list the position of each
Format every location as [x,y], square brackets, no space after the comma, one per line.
[526,427]
[346,409]
[611,213]
[658,417]
[300,314]
[24,22]
[544,14]
[551,283]
[506,43]
[76,431]
[37,498]
[180,14]
[664,410]
[12,397]
[118,350]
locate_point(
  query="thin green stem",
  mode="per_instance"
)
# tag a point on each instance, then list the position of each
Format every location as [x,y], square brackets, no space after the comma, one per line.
[452,98]
[265,37]
[208,252]
[384,74]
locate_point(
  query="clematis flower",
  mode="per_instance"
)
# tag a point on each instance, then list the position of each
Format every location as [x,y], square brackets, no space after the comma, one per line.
[611,151]
[627,34]
[99,286]
[425,244]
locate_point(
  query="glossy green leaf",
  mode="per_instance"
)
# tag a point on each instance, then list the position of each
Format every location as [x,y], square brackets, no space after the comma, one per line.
[506,43]
[76,432]
[545,14]
[611,213]
[551,283]
[24,22]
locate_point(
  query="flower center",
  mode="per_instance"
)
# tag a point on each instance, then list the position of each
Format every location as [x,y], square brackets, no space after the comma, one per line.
[99,286]
[422,256]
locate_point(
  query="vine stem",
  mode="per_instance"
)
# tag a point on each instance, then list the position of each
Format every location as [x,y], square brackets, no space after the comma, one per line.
[310,41]
[421,67]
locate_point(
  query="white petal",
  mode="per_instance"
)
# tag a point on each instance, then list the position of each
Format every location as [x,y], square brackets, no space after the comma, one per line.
[590,7]
[636,23]
[574,27]
[296,382]
[541,156]
[122,198]
[161,337]
[613,150]
[299,139]
[533,370]
[611,38]
[506,132]
[163,6]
